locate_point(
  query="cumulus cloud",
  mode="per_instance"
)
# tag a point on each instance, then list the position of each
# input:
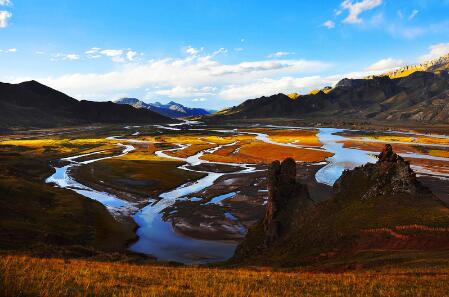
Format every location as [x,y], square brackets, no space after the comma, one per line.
[194,77]
[280,54]
[329,24]
[130,55]
[386,64]
[193,51]
[357,8]
[5,2]
[4,16]
[268,86]
[435,51]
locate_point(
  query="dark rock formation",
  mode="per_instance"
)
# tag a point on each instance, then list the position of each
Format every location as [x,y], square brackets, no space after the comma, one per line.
[371,207]
[282,188]
[391,175]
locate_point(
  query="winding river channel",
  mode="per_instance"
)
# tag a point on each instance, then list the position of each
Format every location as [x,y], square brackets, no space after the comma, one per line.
[156,236]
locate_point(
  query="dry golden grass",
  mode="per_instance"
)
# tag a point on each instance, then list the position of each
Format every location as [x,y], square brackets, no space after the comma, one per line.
[63,147]
[418,139]
[25,276]
[260,152]
[378,146]
[301,137]
[439,153]
[190,150]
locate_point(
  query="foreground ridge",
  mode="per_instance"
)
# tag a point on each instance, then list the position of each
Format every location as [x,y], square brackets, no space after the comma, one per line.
[376,210]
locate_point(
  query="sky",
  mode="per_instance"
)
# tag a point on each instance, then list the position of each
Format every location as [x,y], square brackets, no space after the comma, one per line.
[212,54]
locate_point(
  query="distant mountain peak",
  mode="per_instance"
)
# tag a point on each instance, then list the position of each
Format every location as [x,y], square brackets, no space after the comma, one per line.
[172,109]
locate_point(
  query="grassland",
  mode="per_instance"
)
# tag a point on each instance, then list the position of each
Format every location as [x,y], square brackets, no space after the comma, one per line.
[257,152]
[35,215]
[25,276]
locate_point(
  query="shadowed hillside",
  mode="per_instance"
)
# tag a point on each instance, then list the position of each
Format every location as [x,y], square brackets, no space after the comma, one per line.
[418,97]
[31,104]
[378,213]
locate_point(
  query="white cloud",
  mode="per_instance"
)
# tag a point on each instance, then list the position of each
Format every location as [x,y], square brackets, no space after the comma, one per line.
[193,51]
[386,65]
[199,76]
[413,14]
[329,24]
[219,51]
[435,51]
[188,91]
[130,55]
[266,87]
[4,16]
[199,99]
[8,51]
[355,9]
[5,2]
[72,57]
[239,49]
[116,55]
[279,54]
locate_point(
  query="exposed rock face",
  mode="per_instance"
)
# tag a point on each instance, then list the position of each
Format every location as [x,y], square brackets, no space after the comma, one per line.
[283,191]
[391,175]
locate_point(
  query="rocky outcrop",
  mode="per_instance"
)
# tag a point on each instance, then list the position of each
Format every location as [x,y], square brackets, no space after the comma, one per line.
[283,190]
[390,176]
[371,210]
[288,200]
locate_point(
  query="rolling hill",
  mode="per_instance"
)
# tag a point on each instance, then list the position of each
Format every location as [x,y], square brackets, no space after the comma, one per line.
[171,109]
[31,104]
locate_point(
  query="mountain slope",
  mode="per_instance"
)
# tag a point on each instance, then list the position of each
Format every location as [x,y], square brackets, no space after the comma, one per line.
[377,210]
[421,97]
[32,104]
[171,109]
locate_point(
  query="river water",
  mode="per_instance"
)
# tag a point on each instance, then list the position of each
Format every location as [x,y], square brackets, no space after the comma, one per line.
[157,237]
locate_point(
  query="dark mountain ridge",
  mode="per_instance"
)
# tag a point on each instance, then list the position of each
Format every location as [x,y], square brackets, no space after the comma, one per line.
[31,104]
[171,109]
[421,97]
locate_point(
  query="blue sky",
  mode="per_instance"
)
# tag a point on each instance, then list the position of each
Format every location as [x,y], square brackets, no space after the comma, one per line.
[212,53]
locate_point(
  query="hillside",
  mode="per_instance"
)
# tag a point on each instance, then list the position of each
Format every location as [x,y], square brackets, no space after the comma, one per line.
[420,97]
[441,63]
[171,109]
[31,104]
[379,213]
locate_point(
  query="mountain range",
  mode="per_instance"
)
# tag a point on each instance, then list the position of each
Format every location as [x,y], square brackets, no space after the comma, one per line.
[31,104]
[171,109]
[417,94]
